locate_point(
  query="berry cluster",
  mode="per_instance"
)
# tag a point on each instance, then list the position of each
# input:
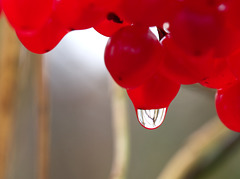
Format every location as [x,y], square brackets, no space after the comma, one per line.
[200,45]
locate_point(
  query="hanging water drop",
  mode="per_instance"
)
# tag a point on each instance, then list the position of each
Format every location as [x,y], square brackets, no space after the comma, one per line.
[152,118]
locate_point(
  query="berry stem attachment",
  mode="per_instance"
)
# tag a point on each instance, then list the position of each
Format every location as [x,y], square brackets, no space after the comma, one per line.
[161,33]
[112,16]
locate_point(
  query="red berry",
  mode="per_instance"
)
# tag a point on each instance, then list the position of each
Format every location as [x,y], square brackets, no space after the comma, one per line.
[76,15]
[234,63]
[110,25]
[233,13]
[196,32]
[228,106]
[131,55]
[43,40]
[204,6]
[148,12]
[220,77]
[152,98]
[228,42]
[27,15]
[155,93]
[183,67]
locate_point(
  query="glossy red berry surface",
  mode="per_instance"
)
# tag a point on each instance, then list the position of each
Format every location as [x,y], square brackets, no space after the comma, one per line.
[233,13]
[110,25]
[156,93]
[27,15]
[200,45]
[205,6]
[228,106]
[221,75]
[228,42]
[234,63]
[76,15]
[45,39]
[184,67]
[131,55]
[148,12]
[196,32]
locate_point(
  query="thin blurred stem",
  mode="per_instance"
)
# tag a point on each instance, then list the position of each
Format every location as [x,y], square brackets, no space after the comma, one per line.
[204,142]
[9,57]
[43,119]
[120,133]
[226,146]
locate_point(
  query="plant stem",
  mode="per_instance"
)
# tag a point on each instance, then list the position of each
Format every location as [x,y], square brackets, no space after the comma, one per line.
[43,120]
[9,57]
[217,154]
[120,133]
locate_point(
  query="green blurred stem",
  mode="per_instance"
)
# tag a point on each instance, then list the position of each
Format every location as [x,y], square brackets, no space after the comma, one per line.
[203,148]
[120,133]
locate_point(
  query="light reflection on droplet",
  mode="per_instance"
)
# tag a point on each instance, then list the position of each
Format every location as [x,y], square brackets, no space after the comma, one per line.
[152,118]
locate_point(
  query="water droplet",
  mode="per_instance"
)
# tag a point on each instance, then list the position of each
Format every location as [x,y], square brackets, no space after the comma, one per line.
[152,118]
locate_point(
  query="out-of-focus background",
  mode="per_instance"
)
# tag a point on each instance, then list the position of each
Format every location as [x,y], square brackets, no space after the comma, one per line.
[81,126]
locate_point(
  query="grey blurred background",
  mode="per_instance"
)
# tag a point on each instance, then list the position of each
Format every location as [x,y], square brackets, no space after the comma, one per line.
[81,122]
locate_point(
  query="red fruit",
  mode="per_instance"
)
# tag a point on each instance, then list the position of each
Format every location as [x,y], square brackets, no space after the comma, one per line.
[183,67]
[228,106]
[233,13]
[155,93]
[43,40]
[110,25]
[131,55]
[148,12]
[27,15]
[76,14]
[234,63]
[205,6]
[152,98]
[220,77]
[196,32]
[228,42]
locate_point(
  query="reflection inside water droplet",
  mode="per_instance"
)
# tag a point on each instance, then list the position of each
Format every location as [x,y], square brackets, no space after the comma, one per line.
[152,118]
